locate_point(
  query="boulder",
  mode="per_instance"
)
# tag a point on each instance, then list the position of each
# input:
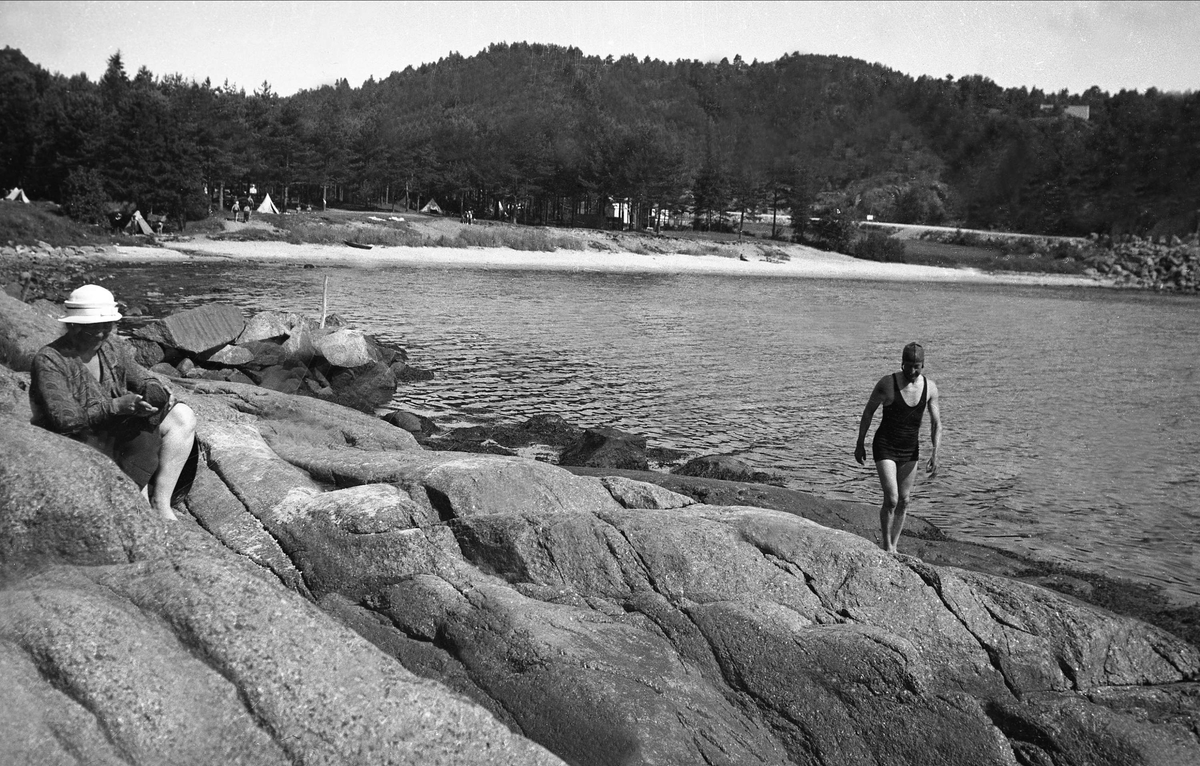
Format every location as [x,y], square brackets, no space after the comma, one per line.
[229,356]
[64,502]
[47,308]
[280,378]
[23,332]
[299,343]
[364,388]
[606,448]
[551,430]
[639,494]
[415,424]
[407,373]
[14,395]
[147,352]
[266,353]
[346,348]
[237,376]
[197,331]
[727,468]
[263,326]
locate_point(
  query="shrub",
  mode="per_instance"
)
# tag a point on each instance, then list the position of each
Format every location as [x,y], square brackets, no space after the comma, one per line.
[876,246]
[831,232]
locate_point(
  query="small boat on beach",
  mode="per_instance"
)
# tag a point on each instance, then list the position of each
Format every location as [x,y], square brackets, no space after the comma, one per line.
[359,245]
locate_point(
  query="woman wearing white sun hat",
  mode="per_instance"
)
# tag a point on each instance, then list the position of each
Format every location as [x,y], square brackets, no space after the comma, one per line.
[87,387]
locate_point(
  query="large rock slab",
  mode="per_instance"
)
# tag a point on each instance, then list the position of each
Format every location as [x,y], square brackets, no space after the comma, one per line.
[673,634]
[191,657]
[197,331]
[725,467]
[640,494]
[62,501]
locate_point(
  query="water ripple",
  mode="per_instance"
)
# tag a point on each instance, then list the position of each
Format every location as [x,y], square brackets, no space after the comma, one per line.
[1056,444]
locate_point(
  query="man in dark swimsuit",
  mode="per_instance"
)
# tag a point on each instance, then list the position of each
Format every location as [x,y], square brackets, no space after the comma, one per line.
[904,396]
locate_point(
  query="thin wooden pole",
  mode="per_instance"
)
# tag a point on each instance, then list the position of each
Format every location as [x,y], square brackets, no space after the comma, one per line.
[325,301]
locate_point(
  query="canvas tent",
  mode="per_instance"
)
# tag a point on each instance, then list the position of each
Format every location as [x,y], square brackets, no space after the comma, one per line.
[268,206]
[432,208]
[17,195]
[139,225]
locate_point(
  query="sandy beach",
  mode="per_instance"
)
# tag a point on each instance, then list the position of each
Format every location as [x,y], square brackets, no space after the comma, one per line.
[747,260]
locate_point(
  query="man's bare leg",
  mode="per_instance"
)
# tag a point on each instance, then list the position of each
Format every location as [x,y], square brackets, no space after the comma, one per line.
[896,482]
[891,492]
[178,432]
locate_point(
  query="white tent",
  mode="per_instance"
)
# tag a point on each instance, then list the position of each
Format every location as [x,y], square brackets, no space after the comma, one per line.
[268,206]
[17,195]
[139,224]
[432,207]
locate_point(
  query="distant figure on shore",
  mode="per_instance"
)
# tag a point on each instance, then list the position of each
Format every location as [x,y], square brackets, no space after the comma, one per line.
[237,211]
[118,221]
[468,217]
[904,396]
[87,387]
[246,212]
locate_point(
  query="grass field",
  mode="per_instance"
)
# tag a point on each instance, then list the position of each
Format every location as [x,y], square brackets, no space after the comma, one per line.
[928,253]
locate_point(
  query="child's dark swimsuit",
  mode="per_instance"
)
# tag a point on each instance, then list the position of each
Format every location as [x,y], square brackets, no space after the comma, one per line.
[898,436]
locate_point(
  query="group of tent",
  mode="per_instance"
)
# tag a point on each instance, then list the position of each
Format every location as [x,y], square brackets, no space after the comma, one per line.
[266,206]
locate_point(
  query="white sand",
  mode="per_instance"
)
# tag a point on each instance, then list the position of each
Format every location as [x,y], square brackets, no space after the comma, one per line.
[804,262]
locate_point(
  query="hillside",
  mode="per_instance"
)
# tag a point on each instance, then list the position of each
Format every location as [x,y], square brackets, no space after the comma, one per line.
[546,134]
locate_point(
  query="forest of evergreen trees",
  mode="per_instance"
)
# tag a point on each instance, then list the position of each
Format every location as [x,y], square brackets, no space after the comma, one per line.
[553,134]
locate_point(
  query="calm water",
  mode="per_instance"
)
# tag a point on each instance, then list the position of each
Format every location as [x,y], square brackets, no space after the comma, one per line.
[1071,425]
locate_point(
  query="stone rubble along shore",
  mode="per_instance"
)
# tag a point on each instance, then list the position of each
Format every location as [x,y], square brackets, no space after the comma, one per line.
[283,352]
[334,593]
[1172,266]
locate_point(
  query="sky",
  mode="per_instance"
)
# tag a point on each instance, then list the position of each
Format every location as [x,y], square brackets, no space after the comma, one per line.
[303,45]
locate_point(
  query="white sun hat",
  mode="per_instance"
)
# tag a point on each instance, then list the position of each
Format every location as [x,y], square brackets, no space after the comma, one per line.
[91,304]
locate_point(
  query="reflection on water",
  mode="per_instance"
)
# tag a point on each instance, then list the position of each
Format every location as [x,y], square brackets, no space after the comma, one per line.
[1070,414]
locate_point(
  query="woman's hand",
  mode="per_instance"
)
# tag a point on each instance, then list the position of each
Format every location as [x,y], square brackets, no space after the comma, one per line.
[132,404]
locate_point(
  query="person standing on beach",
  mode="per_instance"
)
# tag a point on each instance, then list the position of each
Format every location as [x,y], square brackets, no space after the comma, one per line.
[904,397]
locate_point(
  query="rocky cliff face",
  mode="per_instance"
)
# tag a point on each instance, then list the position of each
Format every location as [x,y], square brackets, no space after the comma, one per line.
[339,595]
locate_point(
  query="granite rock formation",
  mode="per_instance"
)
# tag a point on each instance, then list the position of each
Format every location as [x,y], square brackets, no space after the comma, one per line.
[337,594]
[675,632]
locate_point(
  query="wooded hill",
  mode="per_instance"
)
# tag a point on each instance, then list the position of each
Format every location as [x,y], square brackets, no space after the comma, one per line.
[552,134]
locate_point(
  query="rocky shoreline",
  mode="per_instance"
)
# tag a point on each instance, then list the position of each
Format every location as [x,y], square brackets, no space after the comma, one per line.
[1162,266]
[336,593]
